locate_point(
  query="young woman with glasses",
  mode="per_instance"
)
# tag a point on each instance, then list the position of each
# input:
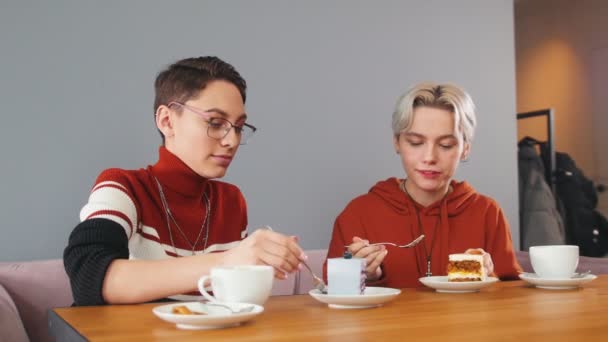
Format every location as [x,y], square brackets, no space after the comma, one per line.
[433,127]
[151,233]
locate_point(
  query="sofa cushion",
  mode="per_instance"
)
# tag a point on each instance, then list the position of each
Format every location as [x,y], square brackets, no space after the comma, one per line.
[316,258]
[523,258]
[35,287]
[284,287]
[11,327]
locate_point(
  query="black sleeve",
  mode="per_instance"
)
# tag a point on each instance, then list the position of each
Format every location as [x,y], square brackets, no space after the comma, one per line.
[92,246]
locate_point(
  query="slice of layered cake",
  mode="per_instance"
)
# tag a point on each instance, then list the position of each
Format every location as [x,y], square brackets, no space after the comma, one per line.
[346,276]
[466,267]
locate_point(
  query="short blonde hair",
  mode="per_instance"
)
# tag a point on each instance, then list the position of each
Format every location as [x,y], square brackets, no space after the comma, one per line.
[445,96]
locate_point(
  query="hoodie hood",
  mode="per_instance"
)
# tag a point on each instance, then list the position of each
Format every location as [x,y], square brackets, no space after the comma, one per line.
[456,201]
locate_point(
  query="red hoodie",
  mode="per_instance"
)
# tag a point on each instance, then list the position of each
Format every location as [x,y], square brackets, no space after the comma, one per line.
[463,219]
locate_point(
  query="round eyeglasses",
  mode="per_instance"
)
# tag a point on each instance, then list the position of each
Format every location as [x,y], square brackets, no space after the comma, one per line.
[218,128]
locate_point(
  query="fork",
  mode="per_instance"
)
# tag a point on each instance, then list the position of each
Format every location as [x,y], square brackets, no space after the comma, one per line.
[409,245]
[318,283]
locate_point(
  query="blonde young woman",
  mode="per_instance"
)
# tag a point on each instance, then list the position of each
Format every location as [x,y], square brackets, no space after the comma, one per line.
[433,126]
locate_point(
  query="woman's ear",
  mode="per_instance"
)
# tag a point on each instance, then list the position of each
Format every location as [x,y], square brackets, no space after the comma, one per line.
[396,143]
[465,152]
[163,121]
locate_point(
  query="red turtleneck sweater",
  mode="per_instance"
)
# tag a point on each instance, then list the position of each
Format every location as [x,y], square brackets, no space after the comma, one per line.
[125,218]
[464,219]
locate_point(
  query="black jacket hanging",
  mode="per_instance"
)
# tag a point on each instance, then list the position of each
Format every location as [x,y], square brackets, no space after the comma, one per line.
[585,226]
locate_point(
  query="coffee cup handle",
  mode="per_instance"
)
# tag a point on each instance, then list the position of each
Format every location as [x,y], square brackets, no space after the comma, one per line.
[201,288]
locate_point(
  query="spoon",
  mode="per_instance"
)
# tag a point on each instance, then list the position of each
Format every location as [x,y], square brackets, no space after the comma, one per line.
[581,275]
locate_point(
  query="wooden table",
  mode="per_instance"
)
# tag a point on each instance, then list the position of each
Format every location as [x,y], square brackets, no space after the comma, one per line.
[503,311]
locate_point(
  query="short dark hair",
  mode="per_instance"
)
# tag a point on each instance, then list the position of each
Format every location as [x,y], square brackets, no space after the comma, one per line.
[185,79]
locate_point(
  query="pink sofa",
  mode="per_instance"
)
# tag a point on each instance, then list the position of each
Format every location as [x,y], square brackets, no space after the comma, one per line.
[11,327]
[304,282]
[284,287]
[34,287]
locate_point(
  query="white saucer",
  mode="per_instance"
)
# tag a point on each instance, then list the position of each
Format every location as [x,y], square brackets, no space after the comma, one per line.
[555,284]
[441,284]
[216,317]
[372,297]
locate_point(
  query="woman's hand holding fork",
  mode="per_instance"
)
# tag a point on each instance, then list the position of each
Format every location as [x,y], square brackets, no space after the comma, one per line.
[373,255]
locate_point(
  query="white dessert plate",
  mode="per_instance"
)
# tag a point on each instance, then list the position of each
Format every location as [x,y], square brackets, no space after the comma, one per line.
[372,297]
[214,317]
[555,284]
[441,284]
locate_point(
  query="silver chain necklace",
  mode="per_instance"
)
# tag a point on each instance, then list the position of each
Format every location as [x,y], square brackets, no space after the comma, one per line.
[169,215]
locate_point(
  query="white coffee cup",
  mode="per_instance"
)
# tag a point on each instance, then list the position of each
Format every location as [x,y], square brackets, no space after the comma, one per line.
[238,284]
[554,262]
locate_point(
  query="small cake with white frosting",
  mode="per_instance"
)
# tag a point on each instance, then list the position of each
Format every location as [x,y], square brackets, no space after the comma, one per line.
[346,276]
[466,267]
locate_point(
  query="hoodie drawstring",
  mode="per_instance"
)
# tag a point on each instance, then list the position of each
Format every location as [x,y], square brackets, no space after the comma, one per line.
[444,232]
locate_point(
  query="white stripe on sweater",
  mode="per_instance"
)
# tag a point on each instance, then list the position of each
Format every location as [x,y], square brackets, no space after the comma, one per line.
[143,248]
[105,197]
[150,231]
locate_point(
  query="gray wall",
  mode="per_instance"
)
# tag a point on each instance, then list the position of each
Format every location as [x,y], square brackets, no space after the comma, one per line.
[76,89]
